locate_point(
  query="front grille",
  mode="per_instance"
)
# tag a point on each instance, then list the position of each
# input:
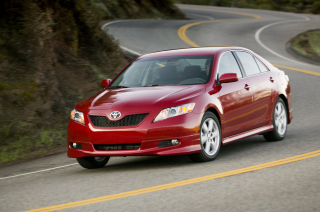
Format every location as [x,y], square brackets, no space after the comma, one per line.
[129,120]
[116,146]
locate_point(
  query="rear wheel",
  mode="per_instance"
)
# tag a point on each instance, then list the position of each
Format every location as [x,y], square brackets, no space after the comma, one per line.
[93,162]
[210,139]
[280,120]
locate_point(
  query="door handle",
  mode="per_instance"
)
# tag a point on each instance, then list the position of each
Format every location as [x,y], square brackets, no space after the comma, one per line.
[247,87]
[271,79]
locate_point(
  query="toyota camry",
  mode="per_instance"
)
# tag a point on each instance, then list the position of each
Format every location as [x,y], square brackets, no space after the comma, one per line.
[181,102]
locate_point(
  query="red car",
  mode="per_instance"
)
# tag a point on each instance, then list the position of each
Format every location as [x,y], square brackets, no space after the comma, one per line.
[183,101]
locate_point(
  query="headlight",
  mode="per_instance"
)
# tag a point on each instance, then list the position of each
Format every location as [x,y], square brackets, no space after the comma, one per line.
[174,111]
[77,116]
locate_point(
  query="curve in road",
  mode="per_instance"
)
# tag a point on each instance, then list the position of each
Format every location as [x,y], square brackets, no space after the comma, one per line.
[182,34]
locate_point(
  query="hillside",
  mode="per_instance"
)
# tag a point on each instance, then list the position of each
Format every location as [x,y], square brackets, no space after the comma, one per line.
[53,54]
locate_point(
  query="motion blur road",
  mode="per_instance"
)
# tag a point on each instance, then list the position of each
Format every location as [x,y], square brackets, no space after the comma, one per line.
[175,183]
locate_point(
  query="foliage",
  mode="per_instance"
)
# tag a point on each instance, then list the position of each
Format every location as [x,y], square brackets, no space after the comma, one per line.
[53,54]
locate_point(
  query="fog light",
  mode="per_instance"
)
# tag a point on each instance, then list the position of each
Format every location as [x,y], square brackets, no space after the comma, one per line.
[174,142]
[76,145]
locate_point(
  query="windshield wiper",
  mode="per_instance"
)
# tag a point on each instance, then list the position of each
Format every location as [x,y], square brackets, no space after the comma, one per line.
[118,86]
[151,85]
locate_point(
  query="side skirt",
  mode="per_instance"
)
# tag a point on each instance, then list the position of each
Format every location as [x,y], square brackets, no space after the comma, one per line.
[247,134]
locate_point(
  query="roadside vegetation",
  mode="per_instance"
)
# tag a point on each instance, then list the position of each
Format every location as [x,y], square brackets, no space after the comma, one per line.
[306,45]
[296,6]
[53,54]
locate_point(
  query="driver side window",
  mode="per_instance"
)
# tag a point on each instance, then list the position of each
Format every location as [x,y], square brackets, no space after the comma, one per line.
[228,64]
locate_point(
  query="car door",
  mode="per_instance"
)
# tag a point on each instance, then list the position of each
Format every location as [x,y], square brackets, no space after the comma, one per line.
[235,98]
[262,82]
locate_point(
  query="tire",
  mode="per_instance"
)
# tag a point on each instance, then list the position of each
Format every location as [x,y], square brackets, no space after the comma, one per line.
[210,139]
[280,122]
[93,162]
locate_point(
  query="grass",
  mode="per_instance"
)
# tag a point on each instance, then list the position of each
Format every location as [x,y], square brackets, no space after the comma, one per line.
[314,41]
[307,44]
[30,146]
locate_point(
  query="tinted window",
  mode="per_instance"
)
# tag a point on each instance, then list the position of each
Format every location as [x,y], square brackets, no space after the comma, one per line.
[228,64]
[248,63]
[262,67]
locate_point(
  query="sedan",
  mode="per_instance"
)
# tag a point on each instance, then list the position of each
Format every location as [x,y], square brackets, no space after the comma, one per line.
[181,102]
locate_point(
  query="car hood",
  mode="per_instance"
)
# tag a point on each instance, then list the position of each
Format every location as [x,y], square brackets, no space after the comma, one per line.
[162,96]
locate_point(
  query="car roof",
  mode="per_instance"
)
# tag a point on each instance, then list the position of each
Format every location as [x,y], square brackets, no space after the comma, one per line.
[191,51]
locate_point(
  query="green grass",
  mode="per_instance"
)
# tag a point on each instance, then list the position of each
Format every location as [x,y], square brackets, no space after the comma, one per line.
[308,44]
[30,146]
[314,41]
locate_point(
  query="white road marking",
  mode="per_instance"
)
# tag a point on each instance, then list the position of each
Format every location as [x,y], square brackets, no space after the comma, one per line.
[44,170]
[131,51]
[109,23]
[258,32]
[122,47]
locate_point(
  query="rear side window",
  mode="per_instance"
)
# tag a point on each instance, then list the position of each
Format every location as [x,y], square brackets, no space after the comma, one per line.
[228,64]
[249,64]
[262,67]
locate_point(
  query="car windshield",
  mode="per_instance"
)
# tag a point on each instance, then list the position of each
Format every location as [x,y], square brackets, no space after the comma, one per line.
[177,70]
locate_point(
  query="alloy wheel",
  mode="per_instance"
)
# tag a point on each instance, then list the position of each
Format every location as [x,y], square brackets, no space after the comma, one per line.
[210,136]
[280,119]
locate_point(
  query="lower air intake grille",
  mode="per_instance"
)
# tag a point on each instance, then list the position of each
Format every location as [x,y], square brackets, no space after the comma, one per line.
[116,146]
[129,120]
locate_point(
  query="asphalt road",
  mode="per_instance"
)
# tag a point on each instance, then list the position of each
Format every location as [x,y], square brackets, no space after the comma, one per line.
[293,186]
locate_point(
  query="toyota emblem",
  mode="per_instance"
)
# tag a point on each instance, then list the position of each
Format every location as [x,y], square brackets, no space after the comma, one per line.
[115,115]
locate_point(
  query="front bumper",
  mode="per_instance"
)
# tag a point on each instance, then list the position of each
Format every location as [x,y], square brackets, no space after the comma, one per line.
[147,133]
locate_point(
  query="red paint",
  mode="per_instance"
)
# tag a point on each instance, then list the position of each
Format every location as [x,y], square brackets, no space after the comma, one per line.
[244,107]
[105,83]
[228,77]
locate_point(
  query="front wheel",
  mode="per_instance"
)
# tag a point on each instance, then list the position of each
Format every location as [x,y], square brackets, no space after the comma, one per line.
[280,120]
[93,162]
[210,139]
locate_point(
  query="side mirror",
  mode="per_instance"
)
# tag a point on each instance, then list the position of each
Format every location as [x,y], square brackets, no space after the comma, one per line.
[105,83]
[228,77]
